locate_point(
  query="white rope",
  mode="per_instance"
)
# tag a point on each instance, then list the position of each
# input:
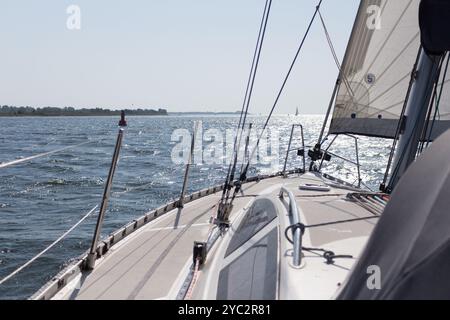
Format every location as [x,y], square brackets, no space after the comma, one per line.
[48,248]
[14,162]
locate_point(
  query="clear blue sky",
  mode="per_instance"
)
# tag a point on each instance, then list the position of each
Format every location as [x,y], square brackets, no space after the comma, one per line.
[184,55]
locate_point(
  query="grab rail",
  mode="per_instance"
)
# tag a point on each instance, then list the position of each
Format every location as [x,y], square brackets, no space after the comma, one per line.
[297,234]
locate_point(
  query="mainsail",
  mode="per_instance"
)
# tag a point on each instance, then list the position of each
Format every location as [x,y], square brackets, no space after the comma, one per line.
[377,69]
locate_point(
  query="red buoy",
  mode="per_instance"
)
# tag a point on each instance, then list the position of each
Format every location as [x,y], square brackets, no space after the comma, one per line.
[122,122]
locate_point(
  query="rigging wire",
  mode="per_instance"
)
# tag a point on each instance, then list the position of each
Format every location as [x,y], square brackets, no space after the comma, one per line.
[49,247]
[40,155]
[330,43]
[431,105]
[396,170]
[246,102]
[335,56]
[399,125]
[437,112]
[244,173]
[341,77]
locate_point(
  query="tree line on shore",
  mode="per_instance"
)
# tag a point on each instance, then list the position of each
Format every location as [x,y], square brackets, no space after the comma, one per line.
[12,111]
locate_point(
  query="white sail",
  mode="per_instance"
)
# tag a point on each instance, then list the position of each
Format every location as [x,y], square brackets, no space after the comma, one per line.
[377,68]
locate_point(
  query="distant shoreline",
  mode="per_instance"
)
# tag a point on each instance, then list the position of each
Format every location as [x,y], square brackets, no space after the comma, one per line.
[11,111]
[204,113]
[8,111]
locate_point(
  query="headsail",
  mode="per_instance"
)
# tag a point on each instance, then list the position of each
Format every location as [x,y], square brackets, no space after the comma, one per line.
[377,67]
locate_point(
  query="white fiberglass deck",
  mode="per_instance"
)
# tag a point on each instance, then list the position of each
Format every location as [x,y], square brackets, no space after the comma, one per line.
[153,262]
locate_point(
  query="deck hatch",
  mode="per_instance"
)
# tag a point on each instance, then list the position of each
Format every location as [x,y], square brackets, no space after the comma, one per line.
[253,275]
[261,213]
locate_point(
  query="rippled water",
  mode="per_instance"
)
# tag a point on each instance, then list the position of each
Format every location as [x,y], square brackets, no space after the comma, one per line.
[41,199]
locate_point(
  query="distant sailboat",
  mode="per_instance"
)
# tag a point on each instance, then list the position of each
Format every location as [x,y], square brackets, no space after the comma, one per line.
[296,113]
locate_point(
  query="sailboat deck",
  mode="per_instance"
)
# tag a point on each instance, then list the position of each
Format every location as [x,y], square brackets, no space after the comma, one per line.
[153,262]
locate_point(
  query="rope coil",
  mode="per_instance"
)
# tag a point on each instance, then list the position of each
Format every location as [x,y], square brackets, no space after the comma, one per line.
[328,255]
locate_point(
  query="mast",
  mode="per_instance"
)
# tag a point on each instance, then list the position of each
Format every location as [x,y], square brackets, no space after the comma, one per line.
[415,115]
